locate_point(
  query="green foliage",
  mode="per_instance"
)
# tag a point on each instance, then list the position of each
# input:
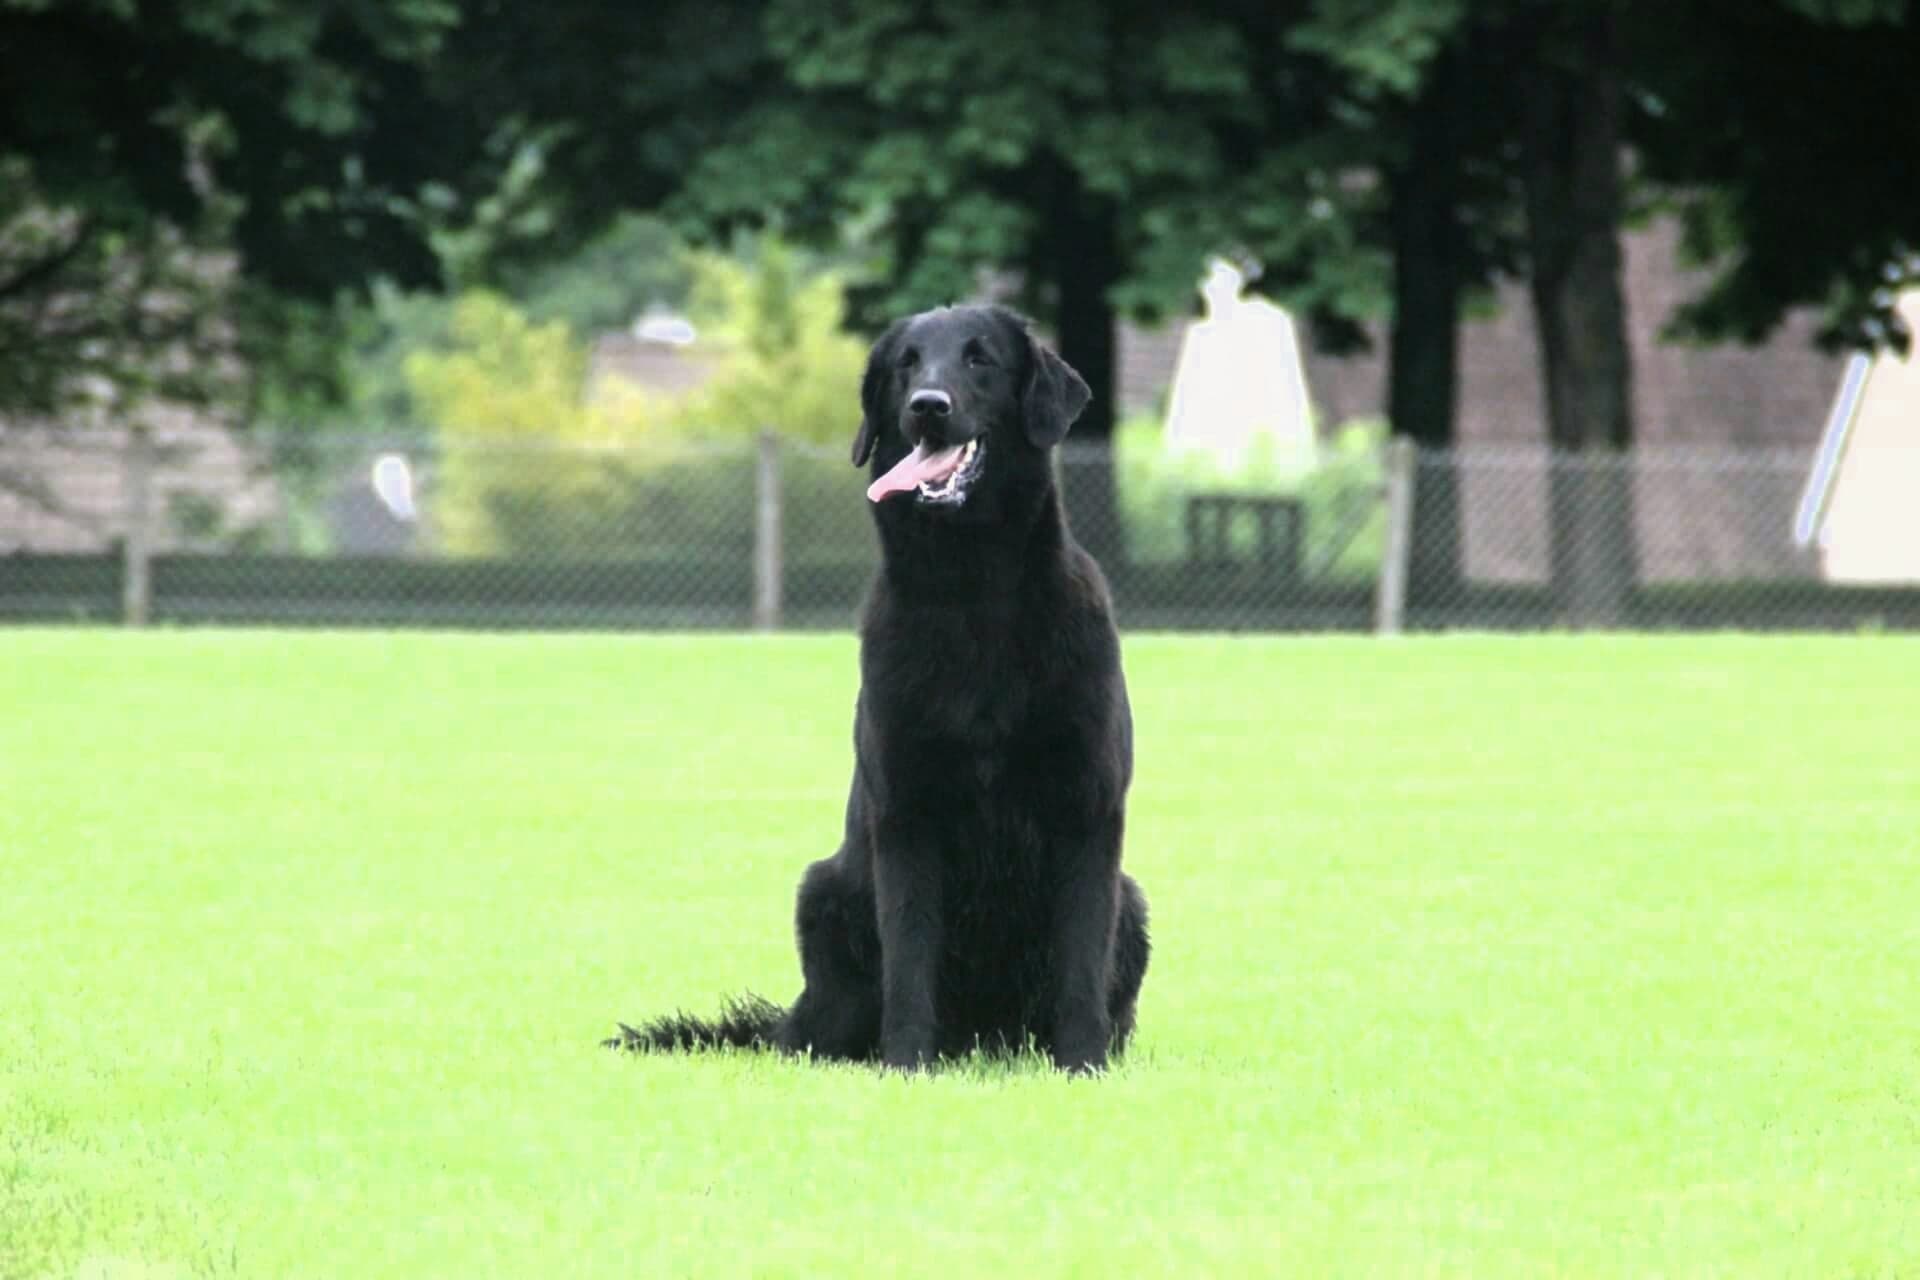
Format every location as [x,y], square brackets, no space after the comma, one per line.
[354,374]
[786,362]
[505,389]
[935,142]
[318,119]
[1779,138]
[473,237]
[387,329]
[108,315]
[1384,49]
[956,139]
[1852,13]
[165,168]
[505,375]
[506,394]
[637,263]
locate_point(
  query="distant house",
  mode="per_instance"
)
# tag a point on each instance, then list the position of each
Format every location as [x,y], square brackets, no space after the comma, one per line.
[1699,512]
[63,490]
[664,367]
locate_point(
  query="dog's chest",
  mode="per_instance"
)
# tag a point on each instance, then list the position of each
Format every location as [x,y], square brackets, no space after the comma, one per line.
[961,704]
[976,712]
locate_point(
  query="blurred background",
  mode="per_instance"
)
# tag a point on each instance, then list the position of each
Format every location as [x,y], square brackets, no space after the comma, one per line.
[1406,314]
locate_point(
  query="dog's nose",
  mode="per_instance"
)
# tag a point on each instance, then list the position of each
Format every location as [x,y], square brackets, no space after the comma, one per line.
[930,404]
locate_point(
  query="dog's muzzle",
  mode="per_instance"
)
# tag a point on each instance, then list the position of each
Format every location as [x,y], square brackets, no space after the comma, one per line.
[932,473]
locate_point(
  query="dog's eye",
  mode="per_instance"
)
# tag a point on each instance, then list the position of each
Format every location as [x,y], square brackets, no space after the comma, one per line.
[909,358]
[979,360]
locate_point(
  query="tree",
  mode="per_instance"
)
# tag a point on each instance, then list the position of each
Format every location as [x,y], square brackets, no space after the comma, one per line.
[356,356]
[787,360]
[1428,104]
[502,385]
[1498,125]
[1430,277]
[1571,139]
[104,314]
[505,387]
[163,143]
[1060,148]
[636,264]
[1771,126]
[1783,135]
[1095,153]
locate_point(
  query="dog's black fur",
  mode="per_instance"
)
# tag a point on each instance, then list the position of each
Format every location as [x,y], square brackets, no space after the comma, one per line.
[977,900]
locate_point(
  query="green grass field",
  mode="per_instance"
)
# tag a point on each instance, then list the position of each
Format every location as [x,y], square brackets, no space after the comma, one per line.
[1474,956]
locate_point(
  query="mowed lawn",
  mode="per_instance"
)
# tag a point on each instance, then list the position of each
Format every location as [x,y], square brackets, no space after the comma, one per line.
[1474,956]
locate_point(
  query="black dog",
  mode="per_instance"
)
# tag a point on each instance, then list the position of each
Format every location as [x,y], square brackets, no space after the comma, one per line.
[977,899]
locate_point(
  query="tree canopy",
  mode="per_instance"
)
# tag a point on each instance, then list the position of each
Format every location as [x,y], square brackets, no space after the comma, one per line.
[169,169]
[1081,158]
[1784,133]
[319,119]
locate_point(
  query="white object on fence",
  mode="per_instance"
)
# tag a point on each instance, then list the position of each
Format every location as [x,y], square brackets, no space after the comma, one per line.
[1867,527]
[1238,377]
[393,485]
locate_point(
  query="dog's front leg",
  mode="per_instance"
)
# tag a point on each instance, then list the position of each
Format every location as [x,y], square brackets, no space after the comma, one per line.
[1086,900]
[907,891]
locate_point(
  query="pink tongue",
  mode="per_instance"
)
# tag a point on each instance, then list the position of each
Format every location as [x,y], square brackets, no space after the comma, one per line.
[917,468]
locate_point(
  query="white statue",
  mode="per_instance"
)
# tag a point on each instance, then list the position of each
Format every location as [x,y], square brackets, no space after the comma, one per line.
[1869,464]
[1238,377]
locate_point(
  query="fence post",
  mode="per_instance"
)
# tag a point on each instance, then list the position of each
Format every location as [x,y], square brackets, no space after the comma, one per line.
[766,533]
[136,577]
[1390,604]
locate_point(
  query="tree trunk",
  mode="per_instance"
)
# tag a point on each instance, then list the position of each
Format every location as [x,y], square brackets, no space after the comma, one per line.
[1571,171]
[1423,361]
[1086,263]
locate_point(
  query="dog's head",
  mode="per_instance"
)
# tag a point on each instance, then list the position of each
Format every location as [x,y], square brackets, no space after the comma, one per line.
[960,407]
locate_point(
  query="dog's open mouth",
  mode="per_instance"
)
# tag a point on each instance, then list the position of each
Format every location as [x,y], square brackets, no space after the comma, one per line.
[933,475]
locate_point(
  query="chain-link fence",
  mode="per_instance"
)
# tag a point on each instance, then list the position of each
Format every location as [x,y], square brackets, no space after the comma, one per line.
[1658,539]
[198,526]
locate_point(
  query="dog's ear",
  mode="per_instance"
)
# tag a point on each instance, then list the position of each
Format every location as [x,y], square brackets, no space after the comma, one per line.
[1054,396]
[873,392]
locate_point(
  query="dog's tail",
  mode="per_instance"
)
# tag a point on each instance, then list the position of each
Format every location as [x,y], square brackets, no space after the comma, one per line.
[746,1022]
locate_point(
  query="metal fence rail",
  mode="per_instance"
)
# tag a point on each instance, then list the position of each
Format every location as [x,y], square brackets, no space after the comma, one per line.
[318,529]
